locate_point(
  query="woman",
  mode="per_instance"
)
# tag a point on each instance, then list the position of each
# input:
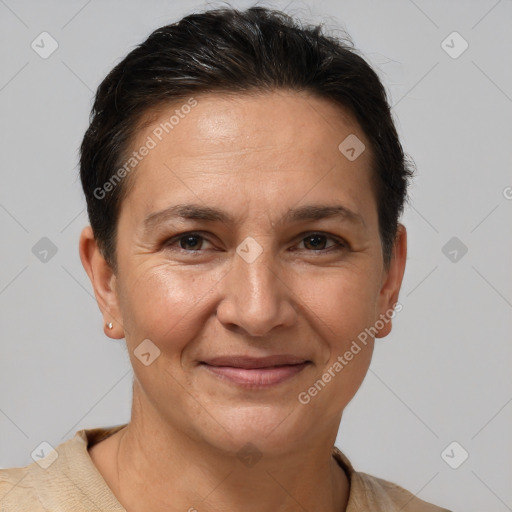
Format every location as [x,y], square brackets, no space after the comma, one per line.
[244,182]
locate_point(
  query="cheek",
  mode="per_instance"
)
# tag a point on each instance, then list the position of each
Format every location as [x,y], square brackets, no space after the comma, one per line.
[344,305]
[166,306]
[343,301]
[169,305]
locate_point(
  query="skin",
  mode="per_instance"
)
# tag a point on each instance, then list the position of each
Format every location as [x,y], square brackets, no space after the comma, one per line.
[255,156]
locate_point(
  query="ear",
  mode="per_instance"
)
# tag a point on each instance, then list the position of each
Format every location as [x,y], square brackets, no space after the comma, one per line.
[103,281]
[392,282]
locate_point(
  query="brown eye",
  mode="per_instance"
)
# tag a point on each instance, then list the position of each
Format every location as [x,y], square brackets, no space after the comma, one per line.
[317,242]
[188,242]
[193,241]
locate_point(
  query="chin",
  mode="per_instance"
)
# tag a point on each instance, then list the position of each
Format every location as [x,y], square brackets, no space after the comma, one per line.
[271,429]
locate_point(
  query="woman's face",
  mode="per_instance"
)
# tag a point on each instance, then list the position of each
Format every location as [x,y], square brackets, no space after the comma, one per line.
[252,273]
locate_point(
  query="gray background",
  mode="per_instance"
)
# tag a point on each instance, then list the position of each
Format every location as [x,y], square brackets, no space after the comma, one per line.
[443,374]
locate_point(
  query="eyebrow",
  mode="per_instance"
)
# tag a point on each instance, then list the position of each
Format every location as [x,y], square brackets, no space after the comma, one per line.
[206,213]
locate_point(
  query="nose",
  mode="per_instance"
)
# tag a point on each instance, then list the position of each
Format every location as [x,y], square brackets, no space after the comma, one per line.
[256,297]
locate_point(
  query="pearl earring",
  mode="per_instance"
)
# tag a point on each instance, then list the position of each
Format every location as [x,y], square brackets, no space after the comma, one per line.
[110,325]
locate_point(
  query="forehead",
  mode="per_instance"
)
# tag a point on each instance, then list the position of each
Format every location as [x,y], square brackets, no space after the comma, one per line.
[249,139]
[248,119]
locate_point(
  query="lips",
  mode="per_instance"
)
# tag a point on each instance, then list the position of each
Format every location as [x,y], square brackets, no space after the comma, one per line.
[255,372]
[254,362]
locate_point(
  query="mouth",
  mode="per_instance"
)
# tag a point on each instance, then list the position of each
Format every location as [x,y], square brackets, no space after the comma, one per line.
[251,372]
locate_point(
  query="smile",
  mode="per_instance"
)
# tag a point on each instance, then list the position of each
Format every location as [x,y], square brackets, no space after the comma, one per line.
[254,372]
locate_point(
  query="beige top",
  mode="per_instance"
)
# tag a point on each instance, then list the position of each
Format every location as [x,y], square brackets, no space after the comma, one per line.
[72,483]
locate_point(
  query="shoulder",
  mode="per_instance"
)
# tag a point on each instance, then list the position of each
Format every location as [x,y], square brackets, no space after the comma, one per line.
[368,492]
[18,490]
[62,479]
[387,496]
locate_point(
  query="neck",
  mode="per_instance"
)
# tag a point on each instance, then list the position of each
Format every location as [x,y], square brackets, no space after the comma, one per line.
[156,468]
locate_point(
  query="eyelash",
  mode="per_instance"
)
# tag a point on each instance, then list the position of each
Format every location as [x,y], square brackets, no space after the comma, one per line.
[340,244]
